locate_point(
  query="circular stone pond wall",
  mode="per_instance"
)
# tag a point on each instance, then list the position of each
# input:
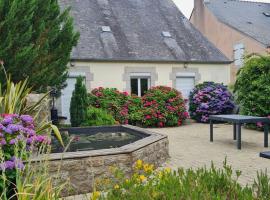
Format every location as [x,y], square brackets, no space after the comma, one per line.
[82,169]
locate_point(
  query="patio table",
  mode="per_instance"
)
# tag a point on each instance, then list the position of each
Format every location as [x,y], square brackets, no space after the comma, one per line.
[237,121]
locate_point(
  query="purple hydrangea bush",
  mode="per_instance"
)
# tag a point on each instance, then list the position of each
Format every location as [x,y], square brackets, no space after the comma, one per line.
[17,139]
[210,98]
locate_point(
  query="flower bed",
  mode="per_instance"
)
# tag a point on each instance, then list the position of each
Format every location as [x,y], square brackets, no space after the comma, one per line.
[210,98]
[161,106]
[203,183]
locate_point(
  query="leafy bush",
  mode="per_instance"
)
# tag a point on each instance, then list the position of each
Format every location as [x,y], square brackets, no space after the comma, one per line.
[79,103]
[135,113]
[111,100]
[210,98]
[252,87]
[163,106]
[202,183]
[98,117]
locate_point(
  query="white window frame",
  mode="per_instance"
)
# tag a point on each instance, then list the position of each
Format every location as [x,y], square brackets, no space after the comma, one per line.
[140,76]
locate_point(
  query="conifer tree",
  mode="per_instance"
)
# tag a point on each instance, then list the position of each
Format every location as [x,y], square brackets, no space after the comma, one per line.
[79,103]
[36,40]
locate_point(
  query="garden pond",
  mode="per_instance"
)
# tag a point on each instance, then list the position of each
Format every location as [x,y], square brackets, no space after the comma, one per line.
[86,139]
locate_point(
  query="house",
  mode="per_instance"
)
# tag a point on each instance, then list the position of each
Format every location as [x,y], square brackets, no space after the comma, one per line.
[235,27]
[133,45]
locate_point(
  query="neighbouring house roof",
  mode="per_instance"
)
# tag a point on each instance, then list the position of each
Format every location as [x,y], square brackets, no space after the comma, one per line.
[138,30]
[250,18]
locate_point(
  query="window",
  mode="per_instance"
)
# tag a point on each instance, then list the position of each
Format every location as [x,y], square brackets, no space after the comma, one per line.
[239,51]
[139,84]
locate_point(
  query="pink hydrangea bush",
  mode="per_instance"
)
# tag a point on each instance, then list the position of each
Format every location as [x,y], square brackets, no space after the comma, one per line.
[163,106]
[111,100]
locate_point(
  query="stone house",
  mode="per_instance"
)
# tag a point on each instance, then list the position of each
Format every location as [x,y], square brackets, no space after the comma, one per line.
[133,45]
[235,27]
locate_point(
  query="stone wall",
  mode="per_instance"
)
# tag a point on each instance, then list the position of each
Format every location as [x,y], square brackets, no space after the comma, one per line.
[82,173]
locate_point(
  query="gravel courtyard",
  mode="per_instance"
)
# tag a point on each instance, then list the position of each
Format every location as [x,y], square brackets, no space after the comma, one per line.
[190,147]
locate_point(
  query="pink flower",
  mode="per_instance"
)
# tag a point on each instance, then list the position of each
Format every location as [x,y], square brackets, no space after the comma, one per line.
[148,117]
[186,115]
[259,124]
[160,124]
[125,93]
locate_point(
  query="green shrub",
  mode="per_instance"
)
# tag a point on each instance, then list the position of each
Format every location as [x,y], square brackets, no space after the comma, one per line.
[135,113]
[79,103]
[201,183]
[98,117]
[252,87]
[111,100]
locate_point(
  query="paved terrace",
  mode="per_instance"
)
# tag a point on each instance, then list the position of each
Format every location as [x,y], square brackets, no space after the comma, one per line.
[190,147]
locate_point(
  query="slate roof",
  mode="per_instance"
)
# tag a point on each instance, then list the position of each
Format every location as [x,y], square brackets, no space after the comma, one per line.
[136,32]
[246,17]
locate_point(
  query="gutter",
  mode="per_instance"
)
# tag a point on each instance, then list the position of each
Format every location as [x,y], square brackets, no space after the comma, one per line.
[150,61]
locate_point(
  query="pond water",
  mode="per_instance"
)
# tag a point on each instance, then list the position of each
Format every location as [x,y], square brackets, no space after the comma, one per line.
[94,141]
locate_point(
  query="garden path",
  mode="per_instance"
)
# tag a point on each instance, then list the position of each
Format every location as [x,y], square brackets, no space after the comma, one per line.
[190,147]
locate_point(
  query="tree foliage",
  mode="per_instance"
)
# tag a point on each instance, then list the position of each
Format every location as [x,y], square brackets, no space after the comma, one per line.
[36,39]
[252,86]
[79,103]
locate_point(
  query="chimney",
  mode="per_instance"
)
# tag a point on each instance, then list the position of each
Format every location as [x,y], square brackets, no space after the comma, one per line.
[198,18]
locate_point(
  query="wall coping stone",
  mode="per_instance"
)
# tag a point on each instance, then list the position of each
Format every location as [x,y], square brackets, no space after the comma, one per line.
[126,149]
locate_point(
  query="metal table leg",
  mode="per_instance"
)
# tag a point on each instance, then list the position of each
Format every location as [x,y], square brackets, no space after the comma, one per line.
[238,128]
[266,130]
[211,131]
[234,131]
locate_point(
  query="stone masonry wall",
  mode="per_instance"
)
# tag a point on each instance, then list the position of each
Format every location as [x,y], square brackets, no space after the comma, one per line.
[82,173]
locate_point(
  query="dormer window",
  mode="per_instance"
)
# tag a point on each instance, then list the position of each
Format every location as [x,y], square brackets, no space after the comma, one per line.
[106,29]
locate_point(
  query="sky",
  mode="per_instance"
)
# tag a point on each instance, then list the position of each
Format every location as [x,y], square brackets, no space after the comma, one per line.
[186,6]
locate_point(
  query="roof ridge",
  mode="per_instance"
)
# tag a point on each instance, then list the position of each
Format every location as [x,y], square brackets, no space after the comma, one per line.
[248,1]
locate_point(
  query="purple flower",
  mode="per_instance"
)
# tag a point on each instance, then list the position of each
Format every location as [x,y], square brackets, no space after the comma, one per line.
[15,127]
[18,163]
[27,119]
[12,164]
[42,139]
[3,142]
[7,120]
[7,130]
[13,141]
[7,165]
[29,132]
[1,127]
[29,140]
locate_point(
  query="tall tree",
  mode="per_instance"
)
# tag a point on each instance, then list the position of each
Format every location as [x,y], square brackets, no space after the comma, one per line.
[36,40]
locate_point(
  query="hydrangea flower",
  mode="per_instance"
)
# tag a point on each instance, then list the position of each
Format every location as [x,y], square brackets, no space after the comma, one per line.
[27,119]
[208,99]
[15,129]
[12,164]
